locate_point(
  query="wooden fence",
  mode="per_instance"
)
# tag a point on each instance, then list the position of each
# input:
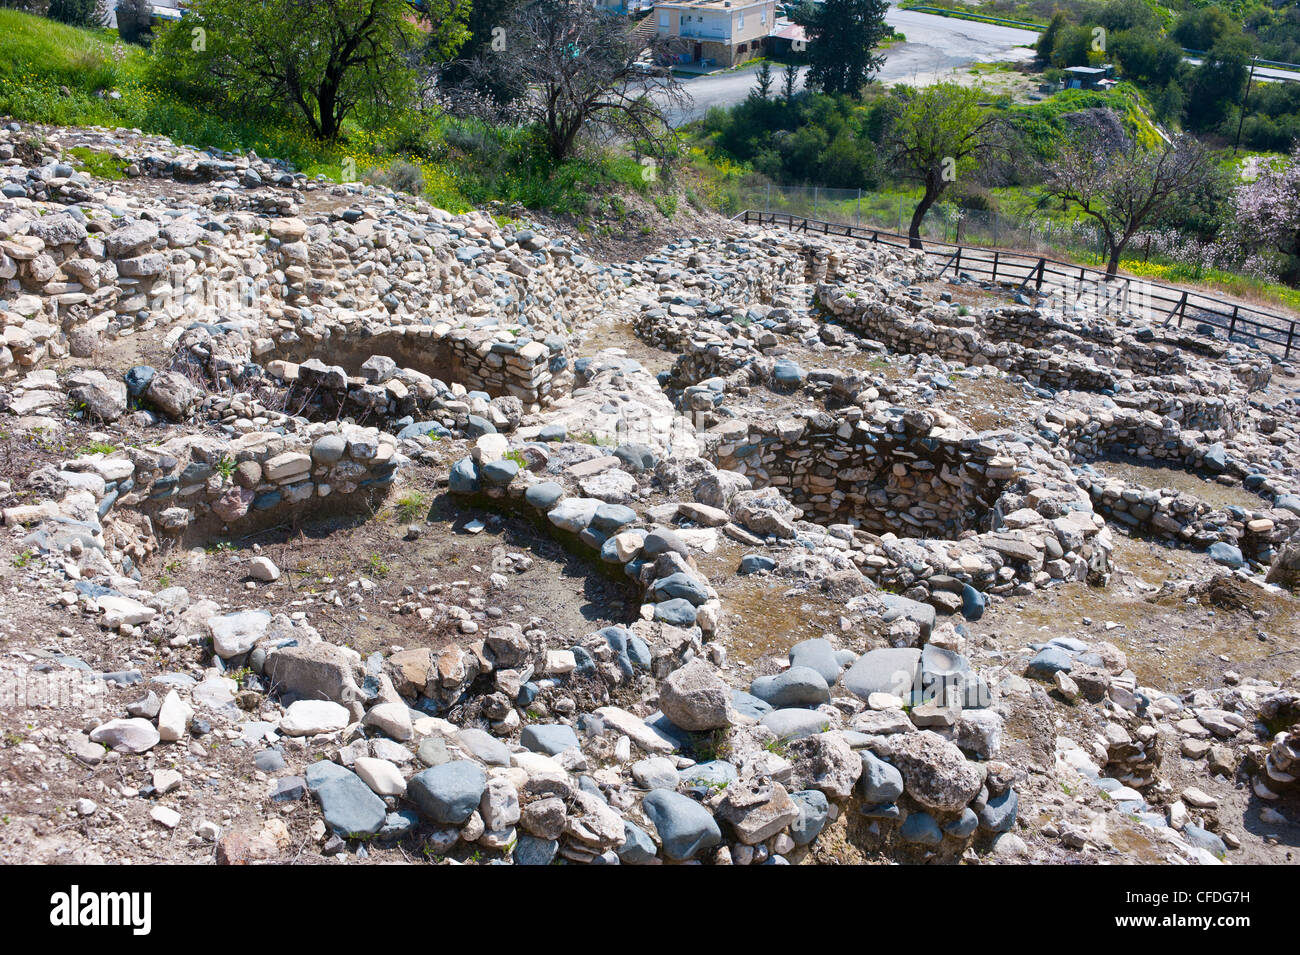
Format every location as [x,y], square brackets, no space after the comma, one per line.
[1163,304]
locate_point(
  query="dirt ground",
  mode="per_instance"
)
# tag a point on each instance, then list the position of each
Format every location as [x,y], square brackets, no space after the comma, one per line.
[446,563]
[359,577]
[41,780]
[1172,644]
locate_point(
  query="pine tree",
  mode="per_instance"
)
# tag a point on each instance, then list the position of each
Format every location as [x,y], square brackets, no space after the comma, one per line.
[788,80]
[79,13]
[1047,39]
[841,35]
[763,89]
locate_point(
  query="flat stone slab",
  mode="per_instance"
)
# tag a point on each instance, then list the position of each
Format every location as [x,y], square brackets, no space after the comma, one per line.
[790,724]
[890,670]
[549,738]
[349,806]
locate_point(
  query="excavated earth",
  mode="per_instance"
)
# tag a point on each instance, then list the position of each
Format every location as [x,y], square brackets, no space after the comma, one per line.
[339,529]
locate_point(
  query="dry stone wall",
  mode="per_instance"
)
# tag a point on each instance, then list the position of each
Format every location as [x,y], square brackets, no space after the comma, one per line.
[482,300]
[625,744]
[892,472]
[999,336]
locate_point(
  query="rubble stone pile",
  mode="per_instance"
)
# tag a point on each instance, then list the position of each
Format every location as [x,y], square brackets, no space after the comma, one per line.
[243,348]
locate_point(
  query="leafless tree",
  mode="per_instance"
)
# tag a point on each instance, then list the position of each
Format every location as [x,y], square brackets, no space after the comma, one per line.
[1122,189]
[574,71]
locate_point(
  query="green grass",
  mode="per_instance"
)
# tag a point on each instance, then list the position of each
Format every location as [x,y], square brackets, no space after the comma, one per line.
[54,74]
[1043,128]
[50,73]
[1180,273]
[99,164]
[964,11]
[412,506]
[590,437]
[63,55]
[711,746]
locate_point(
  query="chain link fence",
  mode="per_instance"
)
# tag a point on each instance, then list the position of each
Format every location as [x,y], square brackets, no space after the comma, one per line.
[945,222]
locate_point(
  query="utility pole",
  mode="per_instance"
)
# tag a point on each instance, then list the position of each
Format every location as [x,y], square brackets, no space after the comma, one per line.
[1241,117]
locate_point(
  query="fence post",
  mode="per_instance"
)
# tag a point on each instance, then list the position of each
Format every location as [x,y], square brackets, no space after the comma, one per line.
[994,280]
[857,215]
[1038,283]
[1232,323]
[1290,334]
[957,268]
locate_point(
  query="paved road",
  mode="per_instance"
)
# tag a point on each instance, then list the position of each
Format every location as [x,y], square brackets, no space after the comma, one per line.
[935,46]
[1271,73]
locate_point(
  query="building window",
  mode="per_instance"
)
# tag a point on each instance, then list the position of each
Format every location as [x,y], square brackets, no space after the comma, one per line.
[762,17]
[663,19]
[742,19]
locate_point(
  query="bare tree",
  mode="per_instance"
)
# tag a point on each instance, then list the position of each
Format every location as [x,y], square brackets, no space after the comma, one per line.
[573,70]
[1123,189]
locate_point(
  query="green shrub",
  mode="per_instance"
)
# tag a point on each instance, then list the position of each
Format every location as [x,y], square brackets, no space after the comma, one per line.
[401,176]
[412,506]
[99,164]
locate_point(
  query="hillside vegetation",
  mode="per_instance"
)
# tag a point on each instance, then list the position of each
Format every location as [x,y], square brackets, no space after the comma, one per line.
[57,74]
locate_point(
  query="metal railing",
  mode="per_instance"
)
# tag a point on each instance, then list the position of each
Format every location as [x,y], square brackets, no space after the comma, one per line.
[1242,323]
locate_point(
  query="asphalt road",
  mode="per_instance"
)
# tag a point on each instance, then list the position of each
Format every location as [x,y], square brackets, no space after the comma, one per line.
[1271,73]
[935,46]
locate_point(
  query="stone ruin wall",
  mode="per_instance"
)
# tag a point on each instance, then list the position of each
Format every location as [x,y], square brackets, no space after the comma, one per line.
[332,375]
[194,488]
[1184,519]
[965,339]
[840,468]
